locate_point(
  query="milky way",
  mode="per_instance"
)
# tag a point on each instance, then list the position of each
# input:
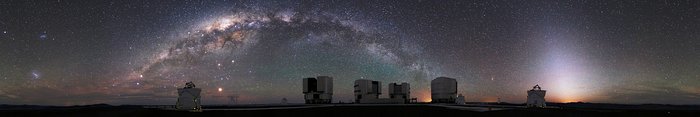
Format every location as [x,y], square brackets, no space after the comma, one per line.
[277,45]
[138,52]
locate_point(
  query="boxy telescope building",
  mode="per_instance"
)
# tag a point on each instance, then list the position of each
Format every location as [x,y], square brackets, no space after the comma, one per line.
[318,90]
[368,91]
[443,90]
[400,91]
[189,98]
[535,97]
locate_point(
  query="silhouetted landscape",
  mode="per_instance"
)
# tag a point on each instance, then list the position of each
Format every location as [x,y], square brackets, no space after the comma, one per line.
[354,110]
[350,58]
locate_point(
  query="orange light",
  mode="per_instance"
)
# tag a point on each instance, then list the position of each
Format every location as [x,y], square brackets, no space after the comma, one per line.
[568,100]
[427,99]
[423,96]
[489,99]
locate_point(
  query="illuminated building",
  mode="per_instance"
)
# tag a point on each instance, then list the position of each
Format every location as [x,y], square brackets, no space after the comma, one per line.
[318,90]
[535,97]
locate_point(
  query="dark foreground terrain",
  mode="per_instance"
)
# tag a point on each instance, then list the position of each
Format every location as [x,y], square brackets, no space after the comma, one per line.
[350,110]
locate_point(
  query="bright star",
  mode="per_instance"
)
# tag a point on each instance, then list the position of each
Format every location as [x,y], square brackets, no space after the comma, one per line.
[43,35]
[36,76]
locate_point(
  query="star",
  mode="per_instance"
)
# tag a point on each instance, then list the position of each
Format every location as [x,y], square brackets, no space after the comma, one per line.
[35,75]
[43,36]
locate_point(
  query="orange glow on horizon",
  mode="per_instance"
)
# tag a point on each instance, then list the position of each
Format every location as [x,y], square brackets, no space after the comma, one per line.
[565,99]
[489,99]
[423,96]
[569,100]
[427,100]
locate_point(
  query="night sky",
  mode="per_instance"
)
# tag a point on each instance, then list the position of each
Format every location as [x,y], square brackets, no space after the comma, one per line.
[74,52]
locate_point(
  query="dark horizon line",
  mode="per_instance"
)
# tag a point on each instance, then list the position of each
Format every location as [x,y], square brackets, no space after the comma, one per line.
[504,103]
